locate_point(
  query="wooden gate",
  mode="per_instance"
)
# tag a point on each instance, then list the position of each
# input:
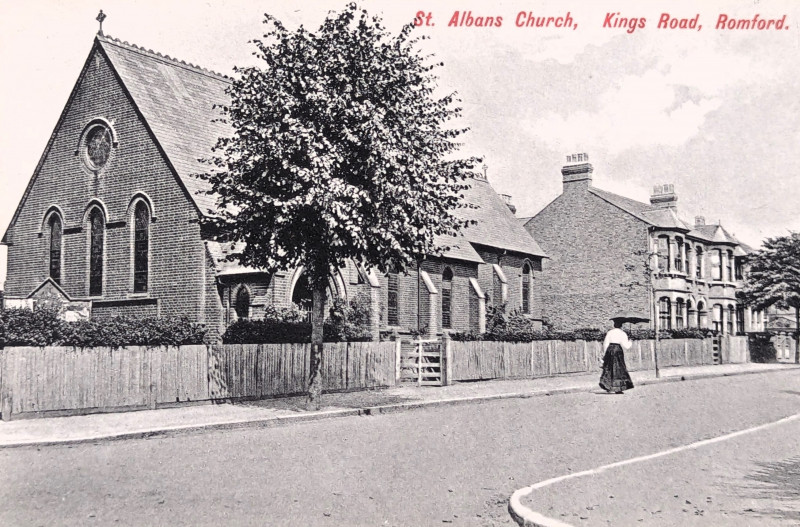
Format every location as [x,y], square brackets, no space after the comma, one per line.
[784,347]
[421,362]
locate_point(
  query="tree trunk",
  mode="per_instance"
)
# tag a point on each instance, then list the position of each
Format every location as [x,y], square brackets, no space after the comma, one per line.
[317,320]
[797,335]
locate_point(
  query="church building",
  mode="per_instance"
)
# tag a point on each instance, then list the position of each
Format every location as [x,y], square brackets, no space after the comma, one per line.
[110,222]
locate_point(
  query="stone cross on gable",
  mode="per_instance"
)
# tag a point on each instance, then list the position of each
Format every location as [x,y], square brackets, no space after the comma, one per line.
[100,17]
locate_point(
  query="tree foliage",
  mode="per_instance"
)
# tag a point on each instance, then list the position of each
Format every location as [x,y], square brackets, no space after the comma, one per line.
[340,150]
[773,276]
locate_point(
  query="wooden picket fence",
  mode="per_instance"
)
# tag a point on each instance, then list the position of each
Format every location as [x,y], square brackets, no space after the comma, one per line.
[68,380]
[42,381]
[505,360]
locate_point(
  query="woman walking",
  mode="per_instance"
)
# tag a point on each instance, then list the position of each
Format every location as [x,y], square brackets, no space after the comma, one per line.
[615,377]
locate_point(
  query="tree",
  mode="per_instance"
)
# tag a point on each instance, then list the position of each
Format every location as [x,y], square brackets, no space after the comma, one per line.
[340,149]
[643,270]
[773,278]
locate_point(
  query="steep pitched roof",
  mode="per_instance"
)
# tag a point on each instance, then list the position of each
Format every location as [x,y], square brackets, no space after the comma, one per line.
[631,206]
[496,226]
[713,233]
[668,219]
[177,101]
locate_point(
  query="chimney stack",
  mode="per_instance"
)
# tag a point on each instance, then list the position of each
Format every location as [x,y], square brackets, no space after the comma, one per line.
[577,172]
[507,199]
[664,197]
[699,221]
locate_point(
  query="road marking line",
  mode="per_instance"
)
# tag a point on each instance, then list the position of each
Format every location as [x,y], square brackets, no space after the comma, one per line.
[531,517]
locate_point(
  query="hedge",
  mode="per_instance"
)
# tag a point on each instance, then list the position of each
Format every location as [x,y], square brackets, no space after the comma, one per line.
[346,322]
[591,334]
[43,327]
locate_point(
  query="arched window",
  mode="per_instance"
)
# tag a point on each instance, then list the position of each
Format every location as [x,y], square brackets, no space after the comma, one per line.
[700,268]
[680,306]
[56,236]
[392,318]
[242,305]
[141,247]
[678,257]
[447,298]
[526,288]
[731,318]
[702,315]
[96,241]
[663,254]
[687,260]
[691,315]
[665,313]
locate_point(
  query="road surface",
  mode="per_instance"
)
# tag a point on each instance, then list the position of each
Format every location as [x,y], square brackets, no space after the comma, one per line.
[440,466]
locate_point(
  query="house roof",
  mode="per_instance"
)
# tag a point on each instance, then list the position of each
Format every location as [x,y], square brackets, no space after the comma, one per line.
[177,101]
[496,226]
[713,233]
[667,218]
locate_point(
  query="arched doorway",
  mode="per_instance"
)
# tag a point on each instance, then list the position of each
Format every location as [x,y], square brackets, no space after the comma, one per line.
[301,295]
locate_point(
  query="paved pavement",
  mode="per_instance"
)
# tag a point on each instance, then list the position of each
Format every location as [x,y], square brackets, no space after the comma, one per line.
[274,412]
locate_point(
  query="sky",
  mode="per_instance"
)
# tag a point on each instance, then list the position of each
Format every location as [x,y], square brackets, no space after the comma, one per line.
[714,111]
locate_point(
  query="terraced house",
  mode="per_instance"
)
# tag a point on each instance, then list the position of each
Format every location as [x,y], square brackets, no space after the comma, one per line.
[611,253]
[110,222]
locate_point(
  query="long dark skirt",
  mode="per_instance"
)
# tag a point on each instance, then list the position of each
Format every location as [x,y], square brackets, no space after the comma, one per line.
[615,377]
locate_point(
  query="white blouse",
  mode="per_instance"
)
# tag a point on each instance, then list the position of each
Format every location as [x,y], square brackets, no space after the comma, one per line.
[617,336]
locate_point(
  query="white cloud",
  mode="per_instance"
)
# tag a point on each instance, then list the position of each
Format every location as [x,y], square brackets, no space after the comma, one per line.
[638,111]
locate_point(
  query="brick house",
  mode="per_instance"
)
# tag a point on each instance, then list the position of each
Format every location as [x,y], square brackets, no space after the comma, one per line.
[601,245]
[110,221]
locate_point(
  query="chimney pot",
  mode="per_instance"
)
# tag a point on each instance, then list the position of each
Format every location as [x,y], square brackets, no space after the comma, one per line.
[664,197]
[577,172]
[699,221]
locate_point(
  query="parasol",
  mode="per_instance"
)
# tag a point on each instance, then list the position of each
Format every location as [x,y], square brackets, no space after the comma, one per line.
[630,316]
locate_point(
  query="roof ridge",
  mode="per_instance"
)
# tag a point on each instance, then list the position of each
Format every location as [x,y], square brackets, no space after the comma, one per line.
[166,58]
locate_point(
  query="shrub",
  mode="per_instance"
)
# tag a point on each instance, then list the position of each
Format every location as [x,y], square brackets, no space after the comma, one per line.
[346,322]
[762,349]
[24,327]
[512,330]
[43,327]
[267,332]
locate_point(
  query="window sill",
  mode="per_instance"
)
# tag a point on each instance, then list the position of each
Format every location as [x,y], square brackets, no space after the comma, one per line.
[138,295]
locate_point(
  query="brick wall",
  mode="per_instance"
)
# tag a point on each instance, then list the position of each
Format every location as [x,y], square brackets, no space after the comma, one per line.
[177,255]
[511,264]
[590,242]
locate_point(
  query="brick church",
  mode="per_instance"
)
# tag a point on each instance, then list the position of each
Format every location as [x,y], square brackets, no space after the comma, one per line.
[109,223]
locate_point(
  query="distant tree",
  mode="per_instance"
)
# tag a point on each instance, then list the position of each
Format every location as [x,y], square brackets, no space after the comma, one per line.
[773,278]
[340,150]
